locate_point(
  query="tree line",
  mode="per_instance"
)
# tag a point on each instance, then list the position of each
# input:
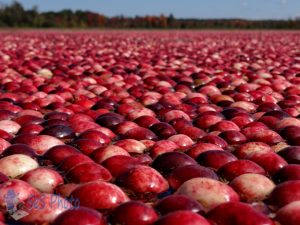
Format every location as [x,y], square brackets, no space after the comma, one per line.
[14,15]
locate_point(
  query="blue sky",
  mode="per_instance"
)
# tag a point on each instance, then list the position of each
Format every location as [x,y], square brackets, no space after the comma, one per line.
[250,9]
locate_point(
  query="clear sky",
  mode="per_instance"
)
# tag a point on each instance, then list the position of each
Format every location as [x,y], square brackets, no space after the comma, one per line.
[249,9]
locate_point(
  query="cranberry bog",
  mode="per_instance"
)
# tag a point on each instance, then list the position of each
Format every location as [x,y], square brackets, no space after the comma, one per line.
[150,127]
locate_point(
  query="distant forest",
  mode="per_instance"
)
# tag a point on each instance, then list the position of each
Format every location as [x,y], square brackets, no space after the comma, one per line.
[14,15]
